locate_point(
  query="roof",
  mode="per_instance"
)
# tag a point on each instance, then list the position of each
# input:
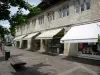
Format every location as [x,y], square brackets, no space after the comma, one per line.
[48,3]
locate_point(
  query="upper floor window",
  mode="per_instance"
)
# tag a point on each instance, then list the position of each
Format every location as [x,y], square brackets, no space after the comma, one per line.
[41,19]
[33,22]
[28,25]
[17,29]
[87,4]
[64,11]
[82,5]
[51,16]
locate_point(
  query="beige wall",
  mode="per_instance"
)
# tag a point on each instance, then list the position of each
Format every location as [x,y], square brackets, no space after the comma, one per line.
[73,18]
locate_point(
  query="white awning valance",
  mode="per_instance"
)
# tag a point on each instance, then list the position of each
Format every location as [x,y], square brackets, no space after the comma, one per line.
[82,33]
[19,37]
[49,34]
[30,36]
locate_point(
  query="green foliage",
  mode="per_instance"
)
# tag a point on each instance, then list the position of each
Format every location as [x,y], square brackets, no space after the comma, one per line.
[99,40]
[12,30]
[3,31]
[19,18]
[6,4]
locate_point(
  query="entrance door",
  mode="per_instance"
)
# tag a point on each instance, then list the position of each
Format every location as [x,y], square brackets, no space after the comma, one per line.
[18,44]
[24,44]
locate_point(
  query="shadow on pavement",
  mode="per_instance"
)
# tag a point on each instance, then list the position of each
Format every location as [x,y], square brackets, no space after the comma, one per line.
[2,58]
[51,54]
[34,70]
[16,55]
[83,60]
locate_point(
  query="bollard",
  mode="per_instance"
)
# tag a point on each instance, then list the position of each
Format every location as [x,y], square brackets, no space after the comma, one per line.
[7,55]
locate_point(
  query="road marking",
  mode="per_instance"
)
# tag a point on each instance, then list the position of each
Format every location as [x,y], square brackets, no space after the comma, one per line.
[87,69]
[69,71]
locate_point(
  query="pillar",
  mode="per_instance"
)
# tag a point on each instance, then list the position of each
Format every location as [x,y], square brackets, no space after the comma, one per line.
[70,49]
[66,49]
[41,46]
[20,46]
[73,49]
[29,44]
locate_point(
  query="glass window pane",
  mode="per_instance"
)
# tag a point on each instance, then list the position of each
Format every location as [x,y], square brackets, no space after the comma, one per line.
[82,7]
[60,13]
[64,11]
[87,4]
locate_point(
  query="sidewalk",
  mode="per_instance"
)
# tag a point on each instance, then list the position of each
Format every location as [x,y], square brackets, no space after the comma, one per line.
[43,64]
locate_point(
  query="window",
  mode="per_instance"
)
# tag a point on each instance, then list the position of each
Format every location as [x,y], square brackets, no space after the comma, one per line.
[33,22]
[51,16]
[41,20]
[18,29]
[28,25]
[82,5]
[64,11]
[87,4]
[67,10]
[77,6]
[60,13]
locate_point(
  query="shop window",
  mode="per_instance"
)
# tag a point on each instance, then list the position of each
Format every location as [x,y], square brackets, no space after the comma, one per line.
[89,48]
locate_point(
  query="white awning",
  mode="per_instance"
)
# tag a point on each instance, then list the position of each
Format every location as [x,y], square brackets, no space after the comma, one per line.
[82,33]
[31,35]
[19,37]
[49,34]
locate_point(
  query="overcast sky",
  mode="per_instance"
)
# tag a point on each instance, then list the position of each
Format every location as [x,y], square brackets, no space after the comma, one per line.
[14,9]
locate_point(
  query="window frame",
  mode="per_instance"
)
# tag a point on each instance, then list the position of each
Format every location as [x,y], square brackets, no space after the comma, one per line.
[41,19]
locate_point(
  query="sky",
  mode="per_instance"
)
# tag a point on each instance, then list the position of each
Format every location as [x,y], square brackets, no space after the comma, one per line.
[14,9]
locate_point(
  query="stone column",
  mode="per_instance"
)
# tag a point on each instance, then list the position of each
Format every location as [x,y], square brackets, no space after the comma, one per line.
[73,49]
[20,46]
[41,46]
[29,44]
[66,49]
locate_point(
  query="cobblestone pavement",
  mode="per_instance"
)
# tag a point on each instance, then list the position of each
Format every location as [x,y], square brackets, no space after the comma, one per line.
[44,64]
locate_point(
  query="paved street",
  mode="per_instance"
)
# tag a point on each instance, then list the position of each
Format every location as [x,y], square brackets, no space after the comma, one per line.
[44,64]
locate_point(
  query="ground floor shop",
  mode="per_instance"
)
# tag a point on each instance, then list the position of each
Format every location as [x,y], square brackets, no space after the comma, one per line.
[85,40]
[50,41]
[81,40]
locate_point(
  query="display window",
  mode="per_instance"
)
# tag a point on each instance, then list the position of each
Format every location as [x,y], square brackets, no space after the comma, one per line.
[89,48]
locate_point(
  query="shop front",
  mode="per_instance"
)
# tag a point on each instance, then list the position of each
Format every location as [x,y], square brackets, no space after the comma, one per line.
[30,42]
[18,41]
[86,38]
[50,41]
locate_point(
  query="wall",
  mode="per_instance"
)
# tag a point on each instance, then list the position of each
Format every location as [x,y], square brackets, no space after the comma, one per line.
[74,18]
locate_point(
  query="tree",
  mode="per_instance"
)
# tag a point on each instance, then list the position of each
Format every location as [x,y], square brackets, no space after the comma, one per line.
[5,5]
[3,31]
[19,18]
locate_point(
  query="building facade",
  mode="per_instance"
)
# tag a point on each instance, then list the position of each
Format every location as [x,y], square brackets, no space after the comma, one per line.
[54,22]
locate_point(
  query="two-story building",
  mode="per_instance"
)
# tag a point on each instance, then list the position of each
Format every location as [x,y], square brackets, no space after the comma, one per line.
[68,27]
